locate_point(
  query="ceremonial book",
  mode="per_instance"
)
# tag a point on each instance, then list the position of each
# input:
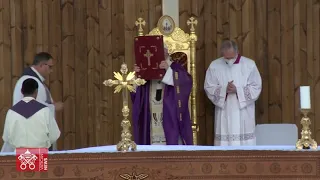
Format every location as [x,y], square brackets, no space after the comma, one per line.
[149,52]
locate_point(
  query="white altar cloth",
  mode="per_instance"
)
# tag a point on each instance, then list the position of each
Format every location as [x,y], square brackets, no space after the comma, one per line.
[141,148]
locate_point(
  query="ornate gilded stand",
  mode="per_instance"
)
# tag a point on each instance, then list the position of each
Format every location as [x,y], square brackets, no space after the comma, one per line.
[306,142]
[125,82]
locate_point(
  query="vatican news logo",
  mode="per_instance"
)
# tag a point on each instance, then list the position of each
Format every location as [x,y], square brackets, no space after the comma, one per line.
[32,159]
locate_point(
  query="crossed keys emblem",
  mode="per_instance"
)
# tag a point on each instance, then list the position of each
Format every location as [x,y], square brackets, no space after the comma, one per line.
[27,158]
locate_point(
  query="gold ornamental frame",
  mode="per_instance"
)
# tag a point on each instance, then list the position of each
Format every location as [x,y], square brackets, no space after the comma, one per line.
[179,41]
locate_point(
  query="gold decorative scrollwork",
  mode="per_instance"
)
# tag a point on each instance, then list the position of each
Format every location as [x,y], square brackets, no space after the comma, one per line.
[177,41]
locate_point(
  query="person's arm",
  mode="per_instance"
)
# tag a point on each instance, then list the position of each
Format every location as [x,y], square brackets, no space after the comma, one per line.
[42,96]
[249,93]
[215,91]
[7,130]
[54,131]
[7,147]
[168,76]
[7,127]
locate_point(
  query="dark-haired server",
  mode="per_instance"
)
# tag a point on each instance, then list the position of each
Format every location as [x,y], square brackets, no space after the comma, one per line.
[41,68]
[29,123]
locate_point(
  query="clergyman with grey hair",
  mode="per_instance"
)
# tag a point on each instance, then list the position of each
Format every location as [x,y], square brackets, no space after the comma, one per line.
[233,84]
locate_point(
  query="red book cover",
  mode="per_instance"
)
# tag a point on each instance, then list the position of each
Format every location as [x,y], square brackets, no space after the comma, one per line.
[149,52]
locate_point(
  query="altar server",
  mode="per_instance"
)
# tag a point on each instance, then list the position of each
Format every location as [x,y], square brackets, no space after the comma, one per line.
[233,84]
[41,68]
[29,123]
[160,111]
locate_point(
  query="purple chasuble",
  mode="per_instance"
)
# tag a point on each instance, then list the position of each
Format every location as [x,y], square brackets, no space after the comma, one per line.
[29,72]
[27,109]
[176,116]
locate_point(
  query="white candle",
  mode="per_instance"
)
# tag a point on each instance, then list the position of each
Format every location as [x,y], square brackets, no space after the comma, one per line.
[305,97]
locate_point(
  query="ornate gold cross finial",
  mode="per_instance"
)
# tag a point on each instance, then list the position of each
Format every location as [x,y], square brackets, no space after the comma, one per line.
[192,22]
[139,23]
[125,82]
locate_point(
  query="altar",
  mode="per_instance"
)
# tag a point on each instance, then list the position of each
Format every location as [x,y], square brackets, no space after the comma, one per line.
[160,162]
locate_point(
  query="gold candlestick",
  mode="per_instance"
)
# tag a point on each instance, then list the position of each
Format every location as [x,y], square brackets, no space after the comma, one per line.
[125,82]
[306,142]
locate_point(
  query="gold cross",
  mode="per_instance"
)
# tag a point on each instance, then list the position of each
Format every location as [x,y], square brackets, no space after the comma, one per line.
[139,23]
[192,21]
[125,82]
[148,55]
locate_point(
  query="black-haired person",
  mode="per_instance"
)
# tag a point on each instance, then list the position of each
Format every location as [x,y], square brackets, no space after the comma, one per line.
[29,123]
[40,68]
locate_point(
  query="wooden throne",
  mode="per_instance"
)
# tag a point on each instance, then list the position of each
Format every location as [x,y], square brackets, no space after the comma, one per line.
[182,48]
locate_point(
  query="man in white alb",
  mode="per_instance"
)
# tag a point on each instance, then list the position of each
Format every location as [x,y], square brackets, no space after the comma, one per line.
[29,123]
[233,84]
[41,68]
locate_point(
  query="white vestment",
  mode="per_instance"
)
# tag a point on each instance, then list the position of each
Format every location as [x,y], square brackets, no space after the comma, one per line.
[38,131]
[234,113]
[41,97]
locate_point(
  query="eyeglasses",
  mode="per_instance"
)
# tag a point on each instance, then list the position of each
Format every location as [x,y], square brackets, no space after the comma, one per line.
[50,66]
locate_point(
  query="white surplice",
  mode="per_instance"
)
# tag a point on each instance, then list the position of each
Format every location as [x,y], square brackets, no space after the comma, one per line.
[38,131]
[234,113]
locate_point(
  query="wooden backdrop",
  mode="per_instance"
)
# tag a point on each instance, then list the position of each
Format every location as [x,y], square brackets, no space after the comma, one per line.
[91,38]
